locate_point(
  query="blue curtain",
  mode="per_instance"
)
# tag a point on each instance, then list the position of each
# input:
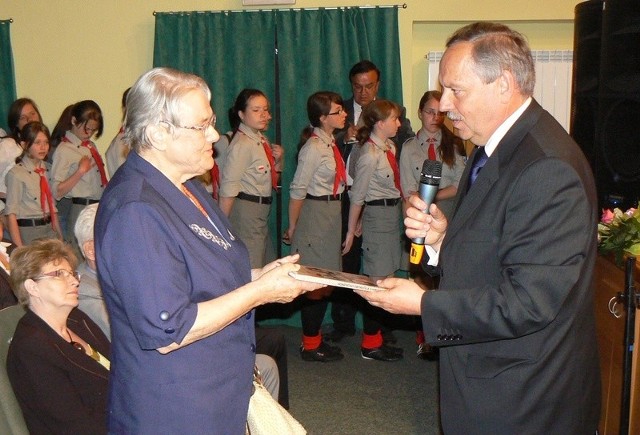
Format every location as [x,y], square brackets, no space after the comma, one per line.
[7,74]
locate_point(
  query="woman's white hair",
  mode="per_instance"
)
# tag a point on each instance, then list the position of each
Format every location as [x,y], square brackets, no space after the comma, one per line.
[84,225]
[155,97]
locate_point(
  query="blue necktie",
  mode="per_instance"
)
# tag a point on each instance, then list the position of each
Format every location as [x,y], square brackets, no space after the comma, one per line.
[478,162]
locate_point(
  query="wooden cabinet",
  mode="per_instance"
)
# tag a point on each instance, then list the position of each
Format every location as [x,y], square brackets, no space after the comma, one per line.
[609,280]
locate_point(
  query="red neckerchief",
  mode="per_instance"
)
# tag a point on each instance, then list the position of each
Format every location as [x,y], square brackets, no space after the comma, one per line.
[96,158]
[46,198]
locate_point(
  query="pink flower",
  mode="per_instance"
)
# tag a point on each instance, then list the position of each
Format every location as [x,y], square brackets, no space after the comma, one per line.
[607,216]
[630,212]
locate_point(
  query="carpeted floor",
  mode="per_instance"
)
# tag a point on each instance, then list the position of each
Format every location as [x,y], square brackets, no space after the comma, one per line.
[358,396]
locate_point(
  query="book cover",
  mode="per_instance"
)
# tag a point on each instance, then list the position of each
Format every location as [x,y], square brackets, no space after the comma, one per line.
[335,278]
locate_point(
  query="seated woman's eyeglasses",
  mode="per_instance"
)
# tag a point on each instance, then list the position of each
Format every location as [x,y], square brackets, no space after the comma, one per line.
[59,273]
[211,123]
[338,112]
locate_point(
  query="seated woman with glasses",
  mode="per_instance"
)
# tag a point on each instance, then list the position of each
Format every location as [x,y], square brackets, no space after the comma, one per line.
[58,359]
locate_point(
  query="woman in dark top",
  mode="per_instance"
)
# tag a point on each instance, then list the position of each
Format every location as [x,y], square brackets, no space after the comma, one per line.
[58,359]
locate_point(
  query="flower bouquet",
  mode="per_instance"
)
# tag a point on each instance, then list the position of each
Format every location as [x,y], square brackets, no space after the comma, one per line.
[619,233]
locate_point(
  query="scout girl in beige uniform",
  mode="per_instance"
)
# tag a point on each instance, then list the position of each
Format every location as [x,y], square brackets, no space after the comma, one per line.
[376,189]
[250,174]
[30,210]
[314,213]
[78,174]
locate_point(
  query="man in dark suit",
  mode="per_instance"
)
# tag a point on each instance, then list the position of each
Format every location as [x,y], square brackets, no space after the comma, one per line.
[514,313]
[364,77]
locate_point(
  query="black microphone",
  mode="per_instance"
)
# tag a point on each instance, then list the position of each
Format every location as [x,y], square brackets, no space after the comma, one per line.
[427,189]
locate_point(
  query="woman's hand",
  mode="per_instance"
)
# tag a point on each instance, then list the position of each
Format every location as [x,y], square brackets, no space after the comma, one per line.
[287,236]
[257,273]
[85,164]
[277,152]
[278,286]
[348,242]
[358,231]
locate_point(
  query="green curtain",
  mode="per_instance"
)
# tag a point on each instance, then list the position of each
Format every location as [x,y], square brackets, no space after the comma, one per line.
[230,50]
[7,74]
[316,50]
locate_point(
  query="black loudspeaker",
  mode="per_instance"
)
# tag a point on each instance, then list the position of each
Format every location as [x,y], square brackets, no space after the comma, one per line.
[605,107]
[618,127]
[586,76]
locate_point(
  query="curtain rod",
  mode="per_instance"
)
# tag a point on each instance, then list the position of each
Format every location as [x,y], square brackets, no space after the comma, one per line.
[9,20]
[399,6]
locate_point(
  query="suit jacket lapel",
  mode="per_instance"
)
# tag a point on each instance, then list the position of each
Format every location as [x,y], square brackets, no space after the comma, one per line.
[348,106]
[468,202]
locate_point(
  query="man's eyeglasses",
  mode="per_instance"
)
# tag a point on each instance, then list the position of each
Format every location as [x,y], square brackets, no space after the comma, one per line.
[211,123]
[433,113]
[59,273]
[338,112]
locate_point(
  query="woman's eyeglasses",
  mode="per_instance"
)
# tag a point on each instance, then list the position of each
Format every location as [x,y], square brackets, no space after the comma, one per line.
[59,273]
[211,123]
[339,112]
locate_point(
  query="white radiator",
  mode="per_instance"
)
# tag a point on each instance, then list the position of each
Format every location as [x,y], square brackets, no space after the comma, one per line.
[554,71]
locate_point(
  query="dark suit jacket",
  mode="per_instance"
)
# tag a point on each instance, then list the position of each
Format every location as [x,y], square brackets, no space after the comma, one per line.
[404,132]
[514,312]
[60,389]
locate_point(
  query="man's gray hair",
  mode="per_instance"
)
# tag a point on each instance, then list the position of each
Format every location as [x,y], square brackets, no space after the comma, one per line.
[155,97]
[83,229]
[498,48]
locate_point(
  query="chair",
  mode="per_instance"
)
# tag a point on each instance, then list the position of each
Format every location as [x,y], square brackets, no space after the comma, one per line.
[11,420]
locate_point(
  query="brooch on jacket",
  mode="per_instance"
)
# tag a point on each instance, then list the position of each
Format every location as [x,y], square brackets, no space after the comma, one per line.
[205,233]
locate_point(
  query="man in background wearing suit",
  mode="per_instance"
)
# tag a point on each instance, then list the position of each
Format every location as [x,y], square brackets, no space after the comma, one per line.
[364,77]
[514,312]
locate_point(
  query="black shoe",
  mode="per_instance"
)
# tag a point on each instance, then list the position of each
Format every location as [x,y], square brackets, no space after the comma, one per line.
[388,337]
[381,353]
[427,352]
[393,349]
[331,349]
[336,335]
[324,353]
